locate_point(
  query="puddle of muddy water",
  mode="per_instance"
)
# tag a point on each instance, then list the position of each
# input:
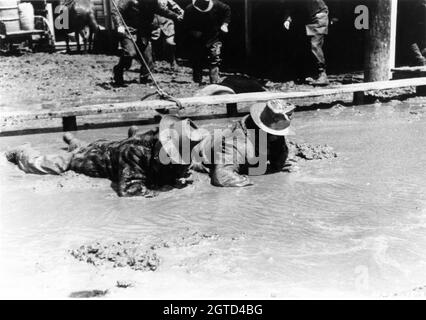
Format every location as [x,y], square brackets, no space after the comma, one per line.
[350,225]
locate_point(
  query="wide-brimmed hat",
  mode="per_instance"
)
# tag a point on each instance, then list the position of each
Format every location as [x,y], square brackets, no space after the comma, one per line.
[273,117]
[203,5]
[178,137]
[214,90]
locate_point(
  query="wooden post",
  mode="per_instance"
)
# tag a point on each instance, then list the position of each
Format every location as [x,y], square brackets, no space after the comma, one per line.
[380,42]
[231,110]
[69,123]
[358,98]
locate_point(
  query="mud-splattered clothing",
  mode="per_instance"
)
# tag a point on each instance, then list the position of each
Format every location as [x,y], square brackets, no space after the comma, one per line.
[229,156]
[132,163]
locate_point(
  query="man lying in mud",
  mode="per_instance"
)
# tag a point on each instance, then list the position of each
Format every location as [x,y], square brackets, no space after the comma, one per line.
[254,145]
[139,165]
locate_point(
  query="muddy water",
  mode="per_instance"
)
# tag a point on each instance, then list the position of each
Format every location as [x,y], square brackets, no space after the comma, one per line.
[350,226]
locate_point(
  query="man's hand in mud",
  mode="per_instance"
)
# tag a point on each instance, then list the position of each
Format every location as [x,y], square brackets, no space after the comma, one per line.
[183,182]
[150,193]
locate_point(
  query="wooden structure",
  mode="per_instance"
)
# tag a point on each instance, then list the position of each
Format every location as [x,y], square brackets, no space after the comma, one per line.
[146,108]
[381,40]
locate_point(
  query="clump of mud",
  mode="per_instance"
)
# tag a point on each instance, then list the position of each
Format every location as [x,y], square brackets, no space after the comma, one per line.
[89,294]
[137,255]
[118,254]
[185,240]
[308,151]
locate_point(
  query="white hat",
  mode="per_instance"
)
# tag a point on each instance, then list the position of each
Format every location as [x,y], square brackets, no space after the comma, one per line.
[273,116]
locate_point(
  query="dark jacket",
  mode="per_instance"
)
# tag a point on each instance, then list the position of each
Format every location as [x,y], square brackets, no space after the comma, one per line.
[132,163]
[309,14]
[414,21]
[205,26]
[139,14]
[303,10]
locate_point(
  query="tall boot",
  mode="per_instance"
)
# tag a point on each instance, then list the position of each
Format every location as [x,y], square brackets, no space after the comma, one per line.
[214,75]
[118,75]
[172,57]
[197,75]
[416,55]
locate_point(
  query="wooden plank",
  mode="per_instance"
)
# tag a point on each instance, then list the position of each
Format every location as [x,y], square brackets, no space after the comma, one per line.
[410,69]
[152,105]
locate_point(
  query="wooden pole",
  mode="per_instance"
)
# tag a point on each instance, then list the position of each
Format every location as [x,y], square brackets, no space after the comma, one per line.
[380,42]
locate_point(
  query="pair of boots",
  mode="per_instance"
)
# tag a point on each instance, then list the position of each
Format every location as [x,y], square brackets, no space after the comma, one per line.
[213,75]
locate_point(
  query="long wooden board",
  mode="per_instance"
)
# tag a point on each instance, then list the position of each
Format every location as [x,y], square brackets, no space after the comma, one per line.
[68,115]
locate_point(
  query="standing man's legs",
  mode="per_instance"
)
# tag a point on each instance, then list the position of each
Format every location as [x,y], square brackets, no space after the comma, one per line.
[125,62]
[317,43]
[171,48]
[197,54]
[214,59]
[145,46]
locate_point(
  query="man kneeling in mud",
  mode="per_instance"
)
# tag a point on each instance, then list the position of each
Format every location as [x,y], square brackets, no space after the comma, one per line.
[140,164]
[255,145]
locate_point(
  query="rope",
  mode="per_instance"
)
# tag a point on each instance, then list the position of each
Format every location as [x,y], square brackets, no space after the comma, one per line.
[161,93]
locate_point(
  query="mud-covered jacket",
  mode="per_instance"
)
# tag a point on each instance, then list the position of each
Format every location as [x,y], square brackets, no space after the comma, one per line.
[139,14]
[132,163]
[235,151]
[205,26]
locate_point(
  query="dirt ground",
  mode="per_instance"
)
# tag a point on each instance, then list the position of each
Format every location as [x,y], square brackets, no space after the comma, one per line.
[44,81]
[49,81]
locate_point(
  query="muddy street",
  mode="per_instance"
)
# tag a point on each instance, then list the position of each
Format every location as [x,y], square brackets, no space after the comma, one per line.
[312,232]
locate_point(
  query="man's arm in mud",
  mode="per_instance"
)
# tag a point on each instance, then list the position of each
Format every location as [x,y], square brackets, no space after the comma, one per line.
[133,175]
[277,154]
